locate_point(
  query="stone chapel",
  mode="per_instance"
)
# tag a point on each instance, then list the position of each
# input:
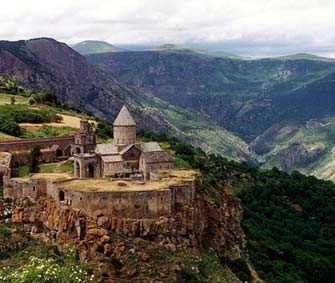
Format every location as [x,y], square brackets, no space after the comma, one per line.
[124,158]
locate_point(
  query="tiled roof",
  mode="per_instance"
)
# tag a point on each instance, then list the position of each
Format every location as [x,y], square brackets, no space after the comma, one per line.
[157,156]
[126,149]
[112,158]
[149,146]
[124,118]
[106,148]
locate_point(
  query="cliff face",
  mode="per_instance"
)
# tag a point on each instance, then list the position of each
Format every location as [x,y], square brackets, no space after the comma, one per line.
[191,227]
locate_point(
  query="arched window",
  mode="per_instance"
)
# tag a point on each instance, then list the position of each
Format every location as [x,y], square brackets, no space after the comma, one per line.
[59,152]
[90,170]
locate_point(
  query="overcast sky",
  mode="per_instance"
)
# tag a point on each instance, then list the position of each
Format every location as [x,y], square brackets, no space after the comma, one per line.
[249,27]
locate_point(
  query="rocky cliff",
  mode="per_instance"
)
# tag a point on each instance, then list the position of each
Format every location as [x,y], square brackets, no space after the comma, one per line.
[191,227]
[141,243]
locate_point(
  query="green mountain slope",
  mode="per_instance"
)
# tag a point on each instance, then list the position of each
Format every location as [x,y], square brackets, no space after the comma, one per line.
[251,98]
[47,65]
[304,56]
[95,46]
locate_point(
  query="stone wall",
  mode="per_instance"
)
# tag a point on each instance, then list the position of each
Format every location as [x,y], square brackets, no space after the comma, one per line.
[87,166]
[21,158]
[32,189]
[124,135]
[27,144]
[147,167]
[194,225]
[128,204]
[135,204]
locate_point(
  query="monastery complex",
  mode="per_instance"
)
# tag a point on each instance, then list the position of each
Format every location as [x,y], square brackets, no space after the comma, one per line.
[123,179]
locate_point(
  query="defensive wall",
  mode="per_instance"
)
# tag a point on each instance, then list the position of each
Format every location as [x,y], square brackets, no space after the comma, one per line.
[27,144]
[130,203]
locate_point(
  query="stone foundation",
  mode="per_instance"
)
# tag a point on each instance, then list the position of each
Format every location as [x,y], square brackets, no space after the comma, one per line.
[121,202]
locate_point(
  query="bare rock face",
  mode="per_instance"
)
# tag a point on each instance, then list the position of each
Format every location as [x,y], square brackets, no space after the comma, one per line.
[190,227]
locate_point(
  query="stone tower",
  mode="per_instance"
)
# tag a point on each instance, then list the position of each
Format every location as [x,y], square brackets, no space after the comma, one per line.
[124,128]
[85,139]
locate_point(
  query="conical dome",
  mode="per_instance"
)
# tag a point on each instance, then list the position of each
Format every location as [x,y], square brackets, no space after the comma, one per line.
[124,118]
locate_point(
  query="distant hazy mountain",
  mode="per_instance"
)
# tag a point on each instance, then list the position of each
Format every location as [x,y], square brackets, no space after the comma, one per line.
[304,56]
[176,48]
[93,46]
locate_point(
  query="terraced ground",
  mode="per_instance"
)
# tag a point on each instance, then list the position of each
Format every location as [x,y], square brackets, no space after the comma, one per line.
[67,126]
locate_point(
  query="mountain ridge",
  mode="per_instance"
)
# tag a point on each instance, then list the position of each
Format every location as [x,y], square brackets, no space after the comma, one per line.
[45,64]
[95,46]
[247,97]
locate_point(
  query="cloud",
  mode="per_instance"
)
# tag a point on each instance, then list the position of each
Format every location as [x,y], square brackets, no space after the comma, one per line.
[253,26]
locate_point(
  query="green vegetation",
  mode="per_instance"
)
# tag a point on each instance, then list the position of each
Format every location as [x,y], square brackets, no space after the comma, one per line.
[22,171]
[94,46]
[9,86]
[14,108]
[104,130]
[60,167]
[198,128]
[7,99]
[33,159]
[169,266]
[307,147]
[203,96]
[289,219]
[12,115]
[25,114]
[38,270]
[24,260]
[47,131]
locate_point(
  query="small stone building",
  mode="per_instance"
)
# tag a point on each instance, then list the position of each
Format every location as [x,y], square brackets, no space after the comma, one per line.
[124,158]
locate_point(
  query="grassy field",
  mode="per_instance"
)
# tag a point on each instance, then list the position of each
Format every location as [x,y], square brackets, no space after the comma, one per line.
[67,126]
[6,99]
[60,167]
[4,137]
[42,131]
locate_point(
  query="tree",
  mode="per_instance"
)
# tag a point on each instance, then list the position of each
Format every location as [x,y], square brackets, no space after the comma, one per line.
[34,158]
[12,100]
[104,129]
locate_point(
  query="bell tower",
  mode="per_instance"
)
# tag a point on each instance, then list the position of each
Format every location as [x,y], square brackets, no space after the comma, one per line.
[85,139]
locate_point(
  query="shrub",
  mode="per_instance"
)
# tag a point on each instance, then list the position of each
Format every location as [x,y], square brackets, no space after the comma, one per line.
[34,159]
[104,129]
[41,270]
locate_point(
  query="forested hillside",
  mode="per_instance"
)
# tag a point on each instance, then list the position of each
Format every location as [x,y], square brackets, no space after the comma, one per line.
[282,107]
[289,219]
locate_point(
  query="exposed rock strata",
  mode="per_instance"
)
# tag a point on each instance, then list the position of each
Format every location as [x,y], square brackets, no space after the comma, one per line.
[191,227]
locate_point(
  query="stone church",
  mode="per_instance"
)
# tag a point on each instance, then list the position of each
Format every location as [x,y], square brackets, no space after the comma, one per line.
[124,158]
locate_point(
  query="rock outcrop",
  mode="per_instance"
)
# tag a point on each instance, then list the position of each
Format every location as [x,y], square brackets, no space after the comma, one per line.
[191,226]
